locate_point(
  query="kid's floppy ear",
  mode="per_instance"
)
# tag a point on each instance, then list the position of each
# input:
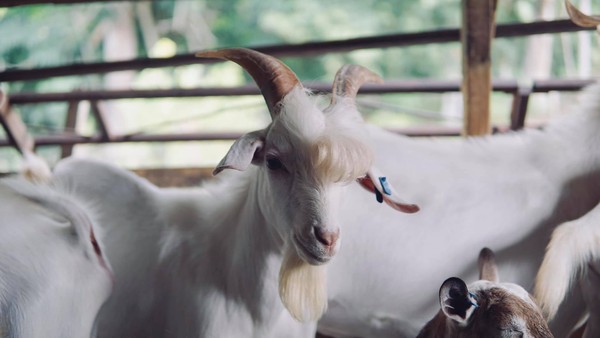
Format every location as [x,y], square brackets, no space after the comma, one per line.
[487,266]
[456,301]
[242,152]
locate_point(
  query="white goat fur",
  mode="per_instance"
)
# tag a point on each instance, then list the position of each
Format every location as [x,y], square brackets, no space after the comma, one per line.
[52,282]
[507,192]
[204,262]
[35,169]
[573,246]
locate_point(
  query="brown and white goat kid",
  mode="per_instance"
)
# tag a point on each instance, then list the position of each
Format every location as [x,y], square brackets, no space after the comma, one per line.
[224,259]
[53,275]
[486,308]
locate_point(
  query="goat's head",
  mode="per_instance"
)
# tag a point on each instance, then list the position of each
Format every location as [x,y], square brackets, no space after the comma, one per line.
[304,157]
[486,308]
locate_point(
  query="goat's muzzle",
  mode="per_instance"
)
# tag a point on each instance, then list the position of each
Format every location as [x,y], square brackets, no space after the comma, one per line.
[327,237]
[318,246]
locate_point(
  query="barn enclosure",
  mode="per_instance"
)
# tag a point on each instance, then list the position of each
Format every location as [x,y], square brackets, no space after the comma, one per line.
[394,169]
[135,87]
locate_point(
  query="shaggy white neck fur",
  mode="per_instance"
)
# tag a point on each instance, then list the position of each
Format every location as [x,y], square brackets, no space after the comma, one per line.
[237,243]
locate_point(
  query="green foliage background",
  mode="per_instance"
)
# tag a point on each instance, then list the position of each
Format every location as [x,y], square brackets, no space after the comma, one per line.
[50,35]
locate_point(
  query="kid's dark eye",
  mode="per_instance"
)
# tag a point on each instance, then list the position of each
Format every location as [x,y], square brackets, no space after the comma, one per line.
[274,163]
[512,333]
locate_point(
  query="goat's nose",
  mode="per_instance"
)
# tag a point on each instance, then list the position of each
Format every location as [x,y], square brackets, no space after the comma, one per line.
[327,237]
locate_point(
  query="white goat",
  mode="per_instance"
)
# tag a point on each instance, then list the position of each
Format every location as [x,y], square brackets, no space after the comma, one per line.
[486,308]
[53,276]
[574,247]
[205,262]
[503,191]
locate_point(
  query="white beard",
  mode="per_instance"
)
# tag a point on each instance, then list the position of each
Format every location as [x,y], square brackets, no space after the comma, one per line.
[302,287]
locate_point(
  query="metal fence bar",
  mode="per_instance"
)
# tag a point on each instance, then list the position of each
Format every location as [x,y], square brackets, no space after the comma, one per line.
[426,86]
[410,86]
[519,108]
[70,124]
[295,50]
[14,3]
[97,139]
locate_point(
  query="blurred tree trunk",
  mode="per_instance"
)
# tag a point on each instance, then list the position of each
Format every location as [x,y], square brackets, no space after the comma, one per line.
[584,40]
[120,43]
[189,20]
[147,24]
[538,56]
[568,55]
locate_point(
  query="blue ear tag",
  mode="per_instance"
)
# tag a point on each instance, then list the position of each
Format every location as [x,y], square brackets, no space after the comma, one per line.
[385,186]
[378,196]
[473,300]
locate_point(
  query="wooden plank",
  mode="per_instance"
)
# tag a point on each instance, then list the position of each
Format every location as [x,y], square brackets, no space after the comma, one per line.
[14,127]
[478,26]
[175,177]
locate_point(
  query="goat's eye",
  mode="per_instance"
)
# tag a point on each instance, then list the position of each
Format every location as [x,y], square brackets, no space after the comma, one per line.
[511,333]
[274,163]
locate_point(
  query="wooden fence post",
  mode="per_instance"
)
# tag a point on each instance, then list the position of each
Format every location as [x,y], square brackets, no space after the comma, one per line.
[478,29]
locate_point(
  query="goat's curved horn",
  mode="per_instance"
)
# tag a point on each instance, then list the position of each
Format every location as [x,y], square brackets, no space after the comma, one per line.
[273,77]
[579,18]
[348,80]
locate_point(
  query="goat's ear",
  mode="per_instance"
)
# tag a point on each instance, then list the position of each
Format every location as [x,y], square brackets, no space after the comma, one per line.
[456,301]
[487,266]
[242,152]
[376,183]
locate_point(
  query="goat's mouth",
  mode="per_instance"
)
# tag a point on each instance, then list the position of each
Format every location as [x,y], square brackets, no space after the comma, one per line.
[312,251]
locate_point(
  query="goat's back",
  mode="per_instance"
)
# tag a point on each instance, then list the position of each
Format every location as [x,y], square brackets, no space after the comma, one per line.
[132,224]
[52,281]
